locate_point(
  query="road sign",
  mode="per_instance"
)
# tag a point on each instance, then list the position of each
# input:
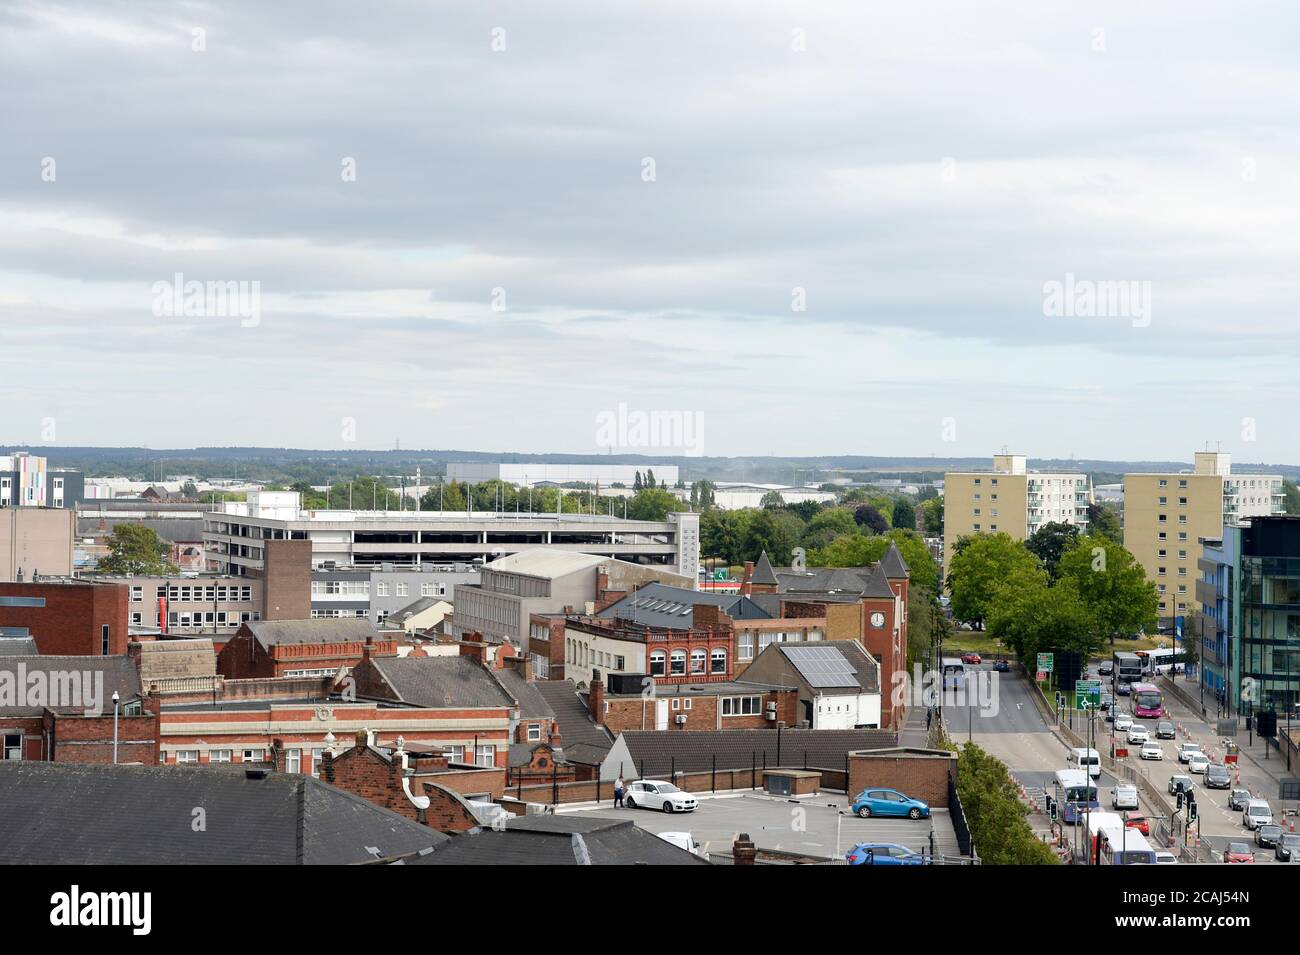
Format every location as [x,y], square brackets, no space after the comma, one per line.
[1088,691]
[1045,662]
[1041,676]
[720,573]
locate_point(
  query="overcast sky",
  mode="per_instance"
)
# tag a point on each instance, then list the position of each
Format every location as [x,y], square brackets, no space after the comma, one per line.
[808,228]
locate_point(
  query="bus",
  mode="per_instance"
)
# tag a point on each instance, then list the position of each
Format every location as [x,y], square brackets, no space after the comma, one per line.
[1097,821]
[1076,794]
[1125,846]
[954,673]
[1148,703]
[1162,661]
[1128,667]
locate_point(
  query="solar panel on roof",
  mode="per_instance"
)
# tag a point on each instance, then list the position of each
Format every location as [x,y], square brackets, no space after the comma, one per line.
[821,666]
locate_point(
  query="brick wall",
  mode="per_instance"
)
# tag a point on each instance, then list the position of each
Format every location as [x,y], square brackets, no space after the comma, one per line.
[921,777]
[72,619]
[286,591]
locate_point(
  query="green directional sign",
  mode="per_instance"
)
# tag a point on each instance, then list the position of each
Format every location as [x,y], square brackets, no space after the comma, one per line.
[1087,691]
[720,573]
[1045,662]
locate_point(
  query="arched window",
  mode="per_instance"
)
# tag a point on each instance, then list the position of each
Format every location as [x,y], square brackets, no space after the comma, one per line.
[657,660]
[719,660]
[699,660]
[677,664]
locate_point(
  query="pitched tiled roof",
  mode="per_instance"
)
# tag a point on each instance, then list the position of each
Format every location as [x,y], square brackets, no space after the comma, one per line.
[763,572]
[119,675]
[660,606]
[580,737]
[574,839]
[76,814]
[441,681]
[894,566]
[656,753]
[532,704]
[342,630]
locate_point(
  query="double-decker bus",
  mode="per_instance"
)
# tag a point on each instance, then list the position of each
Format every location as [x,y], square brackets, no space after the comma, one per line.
[954,673]
[1128,667]
[1148,703]
[1076,794]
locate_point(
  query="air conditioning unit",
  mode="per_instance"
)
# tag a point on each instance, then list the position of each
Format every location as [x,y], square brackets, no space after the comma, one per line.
[681,719]
[771,715]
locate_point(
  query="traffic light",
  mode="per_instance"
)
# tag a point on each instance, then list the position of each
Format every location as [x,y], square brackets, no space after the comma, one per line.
[1178,800]
[1266,724]
[1051,808]
[1191,809]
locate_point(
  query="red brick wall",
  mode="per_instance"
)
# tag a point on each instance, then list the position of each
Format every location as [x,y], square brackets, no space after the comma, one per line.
[286,592]
[89,739]
[638,713]
[70,622]
[924,778]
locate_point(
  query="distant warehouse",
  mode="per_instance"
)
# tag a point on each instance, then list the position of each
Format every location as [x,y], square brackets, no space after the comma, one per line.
[536,473]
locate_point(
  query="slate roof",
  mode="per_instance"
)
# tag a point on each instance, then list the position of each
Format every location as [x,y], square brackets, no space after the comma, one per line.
[834,581]
[894,566]
[582,739]
[74,814]
[419,605]
[271,633]
[763,572]
[577,839]
[441,682]
[661,752]
[663,607]
[120,676]
[532,704]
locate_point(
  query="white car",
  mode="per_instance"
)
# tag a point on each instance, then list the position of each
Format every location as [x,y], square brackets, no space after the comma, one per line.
[657,794]
[1186,750]
[1165,857]
[1125,797]
[1198,763]
[1137,733]
[682,840]
[1122,722]
[1151,750]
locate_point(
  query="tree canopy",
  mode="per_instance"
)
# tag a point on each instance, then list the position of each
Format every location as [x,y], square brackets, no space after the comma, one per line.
[136,550]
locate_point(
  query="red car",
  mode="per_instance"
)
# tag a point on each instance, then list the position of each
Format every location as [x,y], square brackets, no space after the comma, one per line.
[1238,852]
[971,658]
[1135,820]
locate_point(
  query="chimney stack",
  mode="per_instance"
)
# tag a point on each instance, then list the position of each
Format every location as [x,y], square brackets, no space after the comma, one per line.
[743,851]
[596,698]
[747,581]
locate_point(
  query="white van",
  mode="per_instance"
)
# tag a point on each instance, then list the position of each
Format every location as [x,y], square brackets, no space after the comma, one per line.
[1088,759]
[1257,813]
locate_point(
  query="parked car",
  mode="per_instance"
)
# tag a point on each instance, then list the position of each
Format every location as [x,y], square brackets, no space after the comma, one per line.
[1185,750]
[1238,852]
[1122,721]
[1257,813]
[682,840]
[888,802]
[1151,750]
[1198,763]
[884,853]
[1165,857]
[1285,847]
[1180,784]
[1136,820]
[1137,733]
[657,794]
[1266,837]
[1106,669]
[1165,730]
[1217,776]
[1125,796]
[1002,666]
[1238,798]
[972,659]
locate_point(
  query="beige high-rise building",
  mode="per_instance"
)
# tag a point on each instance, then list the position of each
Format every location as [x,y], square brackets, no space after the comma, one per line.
[1166,515]
[1011,499]
[36,540]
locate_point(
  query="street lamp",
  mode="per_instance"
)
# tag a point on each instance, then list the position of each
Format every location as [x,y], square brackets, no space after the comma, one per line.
[116,701]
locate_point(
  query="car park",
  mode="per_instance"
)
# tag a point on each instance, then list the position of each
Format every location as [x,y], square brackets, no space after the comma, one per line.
[1286,847]
[1266,837]
[657,794]
[884,853]
[1198,763]
[1180,784]
[1257,813]
[1125,796]
[1151,750]
[1138,821]
[1185,750]
[1217,776]
[1137,733]
[1165,730]
[1238,798]
[1238,852]
[888,802]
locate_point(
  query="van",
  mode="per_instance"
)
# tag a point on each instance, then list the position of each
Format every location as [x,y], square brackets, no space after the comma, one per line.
[1257,813]
[1088,759]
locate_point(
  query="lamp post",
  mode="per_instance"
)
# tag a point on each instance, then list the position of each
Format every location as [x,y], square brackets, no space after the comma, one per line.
[116,702]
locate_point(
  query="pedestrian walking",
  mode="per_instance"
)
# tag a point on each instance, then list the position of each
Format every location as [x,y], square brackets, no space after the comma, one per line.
[929,715]
[619,791]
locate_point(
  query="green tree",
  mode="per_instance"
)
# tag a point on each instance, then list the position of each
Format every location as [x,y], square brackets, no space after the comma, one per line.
[771,500]
[932,516]
[983,564]
[1031,617]
[904,514]
[1290,497]
[777,532]
[1049,542]
[995,814]
[868,516]
[1113,584]
[859,550]
[1103,520]
[190,491]
[723,534]
[653,504]
[135,550]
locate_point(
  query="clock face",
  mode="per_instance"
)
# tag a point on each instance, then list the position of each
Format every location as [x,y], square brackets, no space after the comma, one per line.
[877,619]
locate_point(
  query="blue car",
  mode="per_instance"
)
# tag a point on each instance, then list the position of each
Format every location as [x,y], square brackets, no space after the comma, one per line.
[883,853]
[888,802]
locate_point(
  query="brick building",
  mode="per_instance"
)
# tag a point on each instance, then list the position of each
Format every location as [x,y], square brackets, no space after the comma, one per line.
[921,773]
[272,648]
[67,617]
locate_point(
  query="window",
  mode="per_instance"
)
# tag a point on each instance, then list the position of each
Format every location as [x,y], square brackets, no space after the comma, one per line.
[699,657]
[187,756]
[254,756]
[676,703]
[137,618]
[137,594]
[686,703]
[317,760]
[402,590]
[13,746]
[742,705]
[485,755]
[103,639]
[293,760]
[534,732]
[455,754]
[219,756]
[677,663]
[719,661]
[381,589]
[745,645]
